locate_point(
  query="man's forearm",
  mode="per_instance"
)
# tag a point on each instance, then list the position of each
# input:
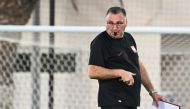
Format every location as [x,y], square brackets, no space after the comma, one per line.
[145,79]
[97,72]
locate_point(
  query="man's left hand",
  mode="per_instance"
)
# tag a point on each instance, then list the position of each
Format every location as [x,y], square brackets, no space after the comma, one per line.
[156,97]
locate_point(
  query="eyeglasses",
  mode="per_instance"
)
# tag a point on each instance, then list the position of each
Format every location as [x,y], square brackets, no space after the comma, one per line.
[117,24]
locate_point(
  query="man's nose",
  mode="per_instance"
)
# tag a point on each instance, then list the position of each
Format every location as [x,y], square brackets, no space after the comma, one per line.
[115,27]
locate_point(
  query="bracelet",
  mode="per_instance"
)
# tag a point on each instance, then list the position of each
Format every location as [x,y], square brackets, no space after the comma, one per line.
[152,91]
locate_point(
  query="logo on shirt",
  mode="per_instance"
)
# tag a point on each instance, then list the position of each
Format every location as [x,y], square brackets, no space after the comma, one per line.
[119,54]
[119,101]
[134,49]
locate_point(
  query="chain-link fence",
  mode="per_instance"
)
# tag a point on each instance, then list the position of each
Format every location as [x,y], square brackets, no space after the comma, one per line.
[36,74]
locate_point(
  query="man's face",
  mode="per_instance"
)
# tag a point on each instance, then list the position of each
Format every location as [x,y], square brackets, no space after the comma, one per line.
[116,24]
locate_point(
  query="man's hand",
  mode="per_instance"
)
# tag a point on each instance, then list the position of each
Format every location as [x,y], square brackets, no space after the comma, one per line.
[126,77]
[156,97]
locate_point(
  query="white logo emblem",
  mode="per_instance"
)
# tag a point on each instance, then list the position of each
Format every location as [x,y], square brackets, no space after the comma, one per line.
[119,101]
[134,49]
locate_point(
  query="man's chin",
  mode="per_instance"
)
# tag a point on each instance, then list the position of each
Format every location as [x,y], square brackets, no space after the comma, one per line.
[116,36]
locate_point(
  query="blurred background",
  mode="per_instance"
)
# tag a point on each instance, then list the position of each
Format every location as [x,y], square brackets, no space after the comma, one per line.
[48,69]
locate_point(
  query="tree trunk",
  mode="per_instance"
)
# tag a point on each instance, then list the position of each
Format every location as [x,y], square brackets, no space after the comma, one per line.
[16,12]
[12,12]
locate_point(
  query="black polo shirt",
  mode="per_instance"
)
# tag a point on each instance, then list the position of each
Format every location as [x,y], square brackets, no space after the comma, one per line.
[116,54]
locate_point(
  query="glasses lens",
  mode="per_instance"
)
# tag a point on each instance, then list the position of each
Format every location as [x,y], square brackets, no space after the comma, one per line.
[119,23]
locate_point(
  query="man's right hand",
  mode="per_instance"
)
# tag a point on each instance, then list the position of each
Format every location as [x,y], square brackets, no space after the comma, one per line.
[126,76]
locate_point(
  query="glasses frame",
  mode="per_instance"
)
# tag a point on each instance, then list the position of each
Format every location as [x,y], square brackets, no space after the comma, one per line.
[117,24]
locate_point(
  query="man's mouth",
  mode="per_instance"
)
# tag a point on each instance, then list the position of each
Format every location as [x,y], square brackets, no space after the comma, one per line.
[115,33]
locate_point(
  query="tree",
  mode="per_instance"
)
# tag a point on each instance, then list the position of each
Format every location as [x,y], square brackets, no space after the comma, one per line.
[12,12]
[16,12]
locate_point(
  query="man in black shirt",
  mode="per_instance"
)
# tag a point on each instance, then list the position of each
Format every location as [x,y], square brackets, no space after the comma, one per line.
[114,61]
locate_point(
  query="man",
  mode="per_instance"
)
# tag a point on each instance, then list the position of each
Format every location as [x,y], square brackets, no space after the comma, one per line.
[115,63]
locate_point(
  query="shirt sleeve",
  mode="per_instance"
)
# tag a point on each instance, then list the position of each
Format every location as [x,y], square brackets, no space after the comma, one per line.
[96,54]
[133,40]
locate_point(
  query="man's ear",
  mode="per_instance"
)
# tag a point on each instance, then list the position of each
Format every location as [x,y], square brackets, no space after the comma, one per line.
[126,23]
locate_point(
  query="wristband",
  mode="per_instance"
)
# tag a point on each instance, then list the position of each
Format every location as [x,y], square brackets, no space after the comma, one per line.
[152,92]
